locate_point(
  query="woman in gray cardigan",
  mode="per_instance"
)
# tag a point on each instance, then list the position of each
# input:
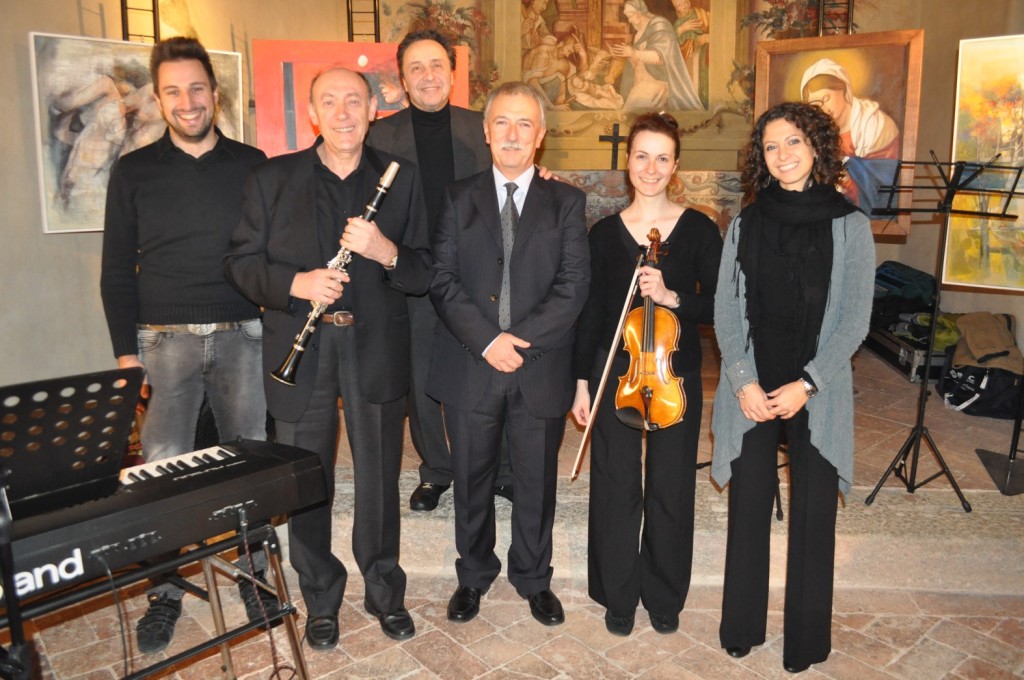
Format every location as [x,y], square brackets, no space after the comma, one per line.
[792,306]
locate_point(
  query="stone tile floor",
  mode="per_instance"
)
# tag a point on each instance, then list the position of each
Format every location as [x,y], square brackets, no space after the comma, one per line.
[936,593]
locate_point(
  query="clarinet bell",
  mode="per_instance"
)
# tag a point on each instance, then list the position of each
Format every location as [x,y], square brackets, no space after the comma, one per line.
[287,370]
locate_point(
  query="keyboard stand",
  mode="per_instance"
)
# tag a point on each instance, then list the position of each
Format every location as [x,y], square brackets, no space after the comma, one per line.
[206,554]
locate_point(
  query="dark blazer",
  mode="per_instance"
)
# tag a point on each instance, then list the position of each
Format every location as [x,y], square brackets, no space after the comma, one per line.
[550,275]
[394,134]
[277,237]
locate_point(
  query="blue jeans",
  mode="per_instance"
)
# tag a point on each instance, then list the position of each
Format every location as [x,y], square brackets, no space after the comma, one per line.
[181,367]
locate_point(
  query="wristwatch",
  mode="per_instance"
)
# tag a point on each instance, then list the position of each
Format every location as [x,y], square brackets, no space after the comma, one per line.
[394,263]
[809,389]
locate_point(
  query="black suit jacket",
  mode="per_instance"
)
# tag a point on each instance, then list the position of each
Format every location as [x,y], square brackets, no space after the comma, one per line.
[550,275]
[394,134]
[277,237]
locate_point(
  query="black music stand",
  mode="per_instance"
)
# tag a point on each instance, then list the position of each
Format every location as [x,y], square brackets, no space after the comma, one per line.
[1008,477]
[62,442]
[962,178]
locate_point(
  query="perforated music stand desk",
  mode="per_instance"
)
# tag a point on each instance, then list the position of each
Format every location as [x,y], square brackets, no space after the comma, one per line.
[62,442]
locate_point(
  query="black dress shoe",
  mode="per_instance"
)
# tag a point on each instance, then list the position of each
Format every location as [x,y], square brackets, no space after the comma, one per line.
[426,495]
[619,625]
[794,668]
[546,608]
[737,652]
[396,624]
[464,604]
[322,632]
[664,623]
[505,491]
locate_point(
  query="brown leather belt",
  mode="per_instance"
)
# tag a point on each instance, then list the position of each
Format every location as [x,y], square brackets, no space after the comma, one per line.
[342,318]
[194,328]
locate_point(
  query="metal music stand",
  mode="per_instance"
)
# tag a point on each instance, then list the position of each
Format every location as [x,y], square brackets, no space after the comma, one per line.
[957,178]
[1008,477]
[62,442]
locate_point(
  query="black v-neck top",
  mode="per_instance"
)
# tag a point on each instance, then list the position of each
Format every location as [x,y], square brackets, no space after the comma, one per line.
[689,267]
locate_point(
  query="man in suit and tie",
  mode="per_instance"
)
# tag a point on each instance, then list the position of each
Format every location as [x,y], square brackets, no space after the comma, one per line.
[447,143]
[511,274]
[296,209]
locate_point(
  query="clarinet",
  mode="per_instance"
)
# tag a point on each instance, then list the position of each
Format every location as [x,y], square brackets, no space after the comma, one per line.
[288,368]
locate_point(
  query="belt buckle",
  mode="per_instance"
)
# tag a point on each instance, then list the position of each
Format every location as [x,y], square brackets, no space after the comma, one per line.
[340,318]
[201,328]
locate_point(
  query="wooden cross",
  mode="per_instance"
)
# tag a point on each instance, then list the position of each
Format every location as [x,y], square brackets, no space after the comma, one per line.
[615,139]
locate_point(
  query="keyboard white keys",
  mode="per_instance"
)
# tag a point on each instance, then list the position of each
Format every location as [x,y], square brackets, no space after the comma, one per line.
[176,465]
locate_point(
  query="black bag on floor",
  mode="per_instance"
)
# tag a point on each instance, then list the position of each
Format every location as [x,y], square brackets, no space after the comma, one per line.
[977,391]
[981,374]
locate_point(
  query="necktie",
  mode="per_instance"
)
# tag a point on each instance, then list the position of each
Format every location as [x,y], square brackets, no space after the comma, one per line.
[509,221]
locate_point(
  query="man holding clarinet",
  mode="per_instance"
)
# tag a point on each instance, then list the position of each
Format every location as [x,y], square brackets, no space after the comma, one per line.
[297,210]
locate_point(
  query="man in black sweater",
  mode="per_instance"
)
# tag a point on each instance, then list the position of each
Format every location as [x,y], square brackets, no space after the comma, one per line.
[171,208]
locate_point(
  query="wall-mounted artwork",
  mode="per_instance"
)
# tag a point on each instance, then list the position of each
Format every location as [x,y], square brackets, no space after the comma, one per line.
[283,71]
[719,195]
[93,103]
[633,55]
[870,83]
[987,252]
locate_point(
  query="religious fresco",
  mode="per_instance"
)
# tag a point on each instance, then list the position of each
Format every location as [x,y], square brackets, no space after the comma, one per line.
[582,55]
[632,55]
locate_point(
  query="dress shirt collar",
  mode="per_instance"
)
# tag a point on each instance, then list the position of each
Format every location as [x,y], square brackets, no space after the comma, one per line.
[522,184]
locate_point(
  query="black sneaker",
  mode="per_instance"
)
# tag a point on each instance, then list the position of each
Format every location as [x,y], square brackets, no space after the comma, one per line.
[156,628]
[252,596]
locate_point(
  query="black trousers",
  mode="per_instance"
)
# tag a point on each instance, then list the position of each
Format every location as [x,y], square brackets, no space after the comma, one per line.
[533,451]
[656,507]
[426,424]
[375,437]
[810,563]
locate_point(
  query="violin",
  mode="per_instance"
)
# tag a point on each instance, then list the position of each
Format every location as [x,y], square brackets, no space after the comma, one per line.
[650,396]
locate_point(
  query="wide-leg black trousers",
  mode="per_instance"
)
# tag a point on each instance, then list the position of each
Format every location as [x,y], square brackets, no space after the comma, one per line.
[640,530]
[810,562]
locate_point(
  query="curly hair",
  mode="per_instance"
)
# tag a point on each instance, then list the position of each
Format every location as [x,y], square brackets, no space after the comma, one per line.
[662,123]
[821,132]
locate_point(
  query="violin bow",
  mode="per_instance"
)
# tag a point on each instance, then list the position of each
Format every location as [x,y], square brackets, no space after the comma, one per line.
[607,367]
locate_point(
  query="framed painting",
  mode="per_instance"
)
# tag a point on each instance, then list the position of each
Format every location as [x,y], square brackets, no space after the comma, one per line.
[870,83]
[985,252]
[283,71]
[93,102]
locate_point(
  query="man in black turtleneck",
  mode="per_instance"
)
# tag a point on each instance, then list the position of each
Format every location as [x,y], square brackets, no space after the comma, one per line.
[447,143]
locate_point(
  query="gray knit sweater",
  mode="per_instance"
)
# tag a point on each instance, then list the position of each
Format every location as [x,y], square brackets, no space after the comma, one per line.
[843,327]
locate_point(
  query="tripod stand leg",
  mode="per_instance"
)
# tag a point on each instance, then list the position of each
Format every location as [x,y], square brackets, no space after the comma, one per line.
[946,471]
[900,459]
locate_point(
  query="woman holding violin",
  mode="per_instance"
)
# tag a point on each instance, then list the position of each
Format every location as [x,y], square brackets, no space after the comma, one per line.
[660,369]
[793,303]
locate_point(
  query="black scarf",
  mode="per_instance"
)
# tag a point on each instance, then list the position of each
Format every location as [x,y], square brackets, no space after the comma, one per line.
[804,219]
